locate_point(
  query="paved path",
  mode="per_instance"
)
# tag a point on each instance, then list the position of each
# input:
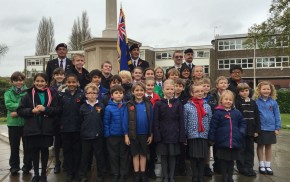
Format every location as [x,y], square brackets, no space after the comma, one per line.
[280,165]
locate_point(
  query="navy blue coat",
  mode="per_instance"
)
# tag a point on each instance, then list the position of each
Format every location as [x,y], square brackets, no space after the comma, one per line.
[70,105]
[168,121]
[227,128]
[92,126]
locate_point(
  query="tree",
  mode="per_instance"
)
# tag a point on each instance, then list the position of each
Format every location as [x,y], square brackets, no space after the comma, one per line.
[275,31]
[3,49]
[80,32]
[45,37]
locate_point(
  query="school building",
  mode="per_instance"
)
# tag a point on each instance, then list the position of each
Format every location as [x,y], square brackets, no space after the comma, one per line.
[258,64]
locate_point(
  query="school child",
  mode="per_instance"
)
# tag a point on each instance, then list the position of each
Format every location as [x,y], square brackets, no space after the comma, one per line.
[114,80]
[96,78]
[227,129]
[70,123]
[57,85]
[221,84]
[82,74]
[113,131]
[138,129]
[159,76]
[265,95]
[197,116]
[15,124]
[148,73]
[92,132]
[205,82]
[168,129]
[185,73]
[197,74]
[250,111]
[179,91]
[153,98]
[137,74]
[149,91]
[173,74]
[126,84]
[39,108]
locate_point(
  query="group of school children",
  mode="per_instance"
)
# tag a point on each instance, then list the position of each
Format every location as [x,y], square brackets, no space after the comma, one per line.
[140,115]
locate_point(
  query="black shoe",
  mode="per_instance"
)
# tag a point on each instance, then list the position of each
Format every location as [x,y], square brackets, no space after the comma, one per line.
[136,177]
[35,179]
[251,172]
[69,178]
[83,179]
[262,172]
[26,169]
[43,178]
[143,177]
[151,174]
[194,179]
[100,178]
[14,171]
[57,168]
[269,171]
[207,171]
[244,172]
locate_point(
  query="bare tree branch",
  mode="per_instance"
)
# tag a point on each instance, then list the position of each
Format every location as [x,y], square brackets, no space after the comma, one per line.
[45,37]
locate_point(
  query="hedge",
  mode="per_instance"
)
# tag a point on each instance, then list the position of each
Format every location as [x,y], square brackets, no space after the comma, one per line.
[283,100]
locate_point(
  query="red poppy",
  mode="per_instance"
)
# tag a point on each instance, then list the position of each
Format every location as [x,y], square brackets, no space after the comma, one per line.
[132,108]
[228,116]
[78,100]
[139,63]
[119,105]
[98,109]
[271,107]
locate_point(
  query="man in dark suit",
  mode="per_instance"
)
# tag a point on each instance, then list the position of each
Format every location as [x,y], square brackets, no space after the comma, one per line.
[177,58]
[61,61]
[188,57]
[136,61]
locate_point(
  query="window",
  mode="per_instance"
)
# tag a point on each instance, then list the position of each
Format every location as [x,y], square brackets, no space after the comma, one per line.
[231,44]
[272,62]
[202,54]
[245,63]
[163,55]
[206,69]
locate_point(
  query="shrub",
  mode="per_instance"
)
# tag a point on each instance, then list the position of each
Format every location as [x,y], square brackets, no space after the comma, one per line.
[283,100]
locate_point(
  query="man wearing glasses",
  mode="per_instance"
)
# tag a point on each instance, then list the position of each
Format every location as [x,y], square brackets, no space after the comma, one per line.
[177,58]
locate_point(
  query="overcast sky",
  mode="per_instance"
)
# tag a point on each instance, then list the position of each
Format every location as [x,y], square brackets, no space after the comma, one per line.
[155,23]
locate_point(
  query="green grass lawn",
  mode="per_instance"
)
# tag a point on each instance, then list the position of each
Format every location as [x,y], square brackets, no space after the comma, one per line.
[2,121]
[285,120]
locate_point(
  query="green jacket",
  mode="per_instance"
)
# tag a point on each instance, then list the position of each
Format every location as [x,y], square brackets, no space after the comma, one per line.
[12,100]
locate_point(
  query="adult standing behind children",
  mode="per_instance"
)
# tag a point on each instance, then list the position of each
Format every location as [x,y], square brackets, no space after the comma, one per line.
[61,61]
[136,60]
[177,58]
[188,57]
[15,124]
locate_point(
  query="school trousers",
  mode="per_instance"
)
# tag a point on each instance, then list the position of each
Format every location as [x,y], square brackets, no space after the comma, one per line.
[246,157]
[95,145]
[15,134]
[71,145]
[118,155]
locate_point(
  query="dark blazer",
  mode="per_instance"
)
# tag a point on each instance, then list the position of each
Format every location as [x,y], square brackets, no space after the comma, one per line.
[141,63]
[53,64]
[185,64]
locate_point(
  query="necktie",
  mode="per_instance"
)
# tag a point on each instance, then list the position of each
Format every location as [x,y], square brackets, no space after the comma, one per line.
[159,84]
[61,63]
[135,63]
[18,90]
[190,66]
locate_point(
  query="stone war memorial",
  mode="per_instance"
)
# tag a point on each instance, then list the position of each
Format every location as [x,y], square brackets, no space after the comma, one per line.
[100,49]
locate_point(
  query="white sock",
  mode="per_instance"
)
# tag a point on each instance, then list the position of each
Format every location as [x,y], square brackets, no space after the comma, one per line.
[261,164]
[267,164]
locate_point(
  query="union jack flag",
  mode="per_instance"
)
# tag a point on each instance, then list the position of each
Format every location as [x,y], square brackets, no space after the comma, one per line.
[122,44]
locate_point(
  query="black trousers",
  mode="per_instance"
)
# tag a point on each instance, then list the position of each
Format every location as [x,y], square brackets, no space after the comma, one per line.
[119,155]
[227,169]
[15,134]
[71,145]
[44,152]
[216,165]
[246,157]
[95,145]
[151,161]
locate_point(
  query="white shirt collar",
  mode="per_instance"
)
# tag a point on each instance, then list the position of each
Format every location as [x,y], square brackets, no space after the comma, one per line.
[146,95]
[91,104]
